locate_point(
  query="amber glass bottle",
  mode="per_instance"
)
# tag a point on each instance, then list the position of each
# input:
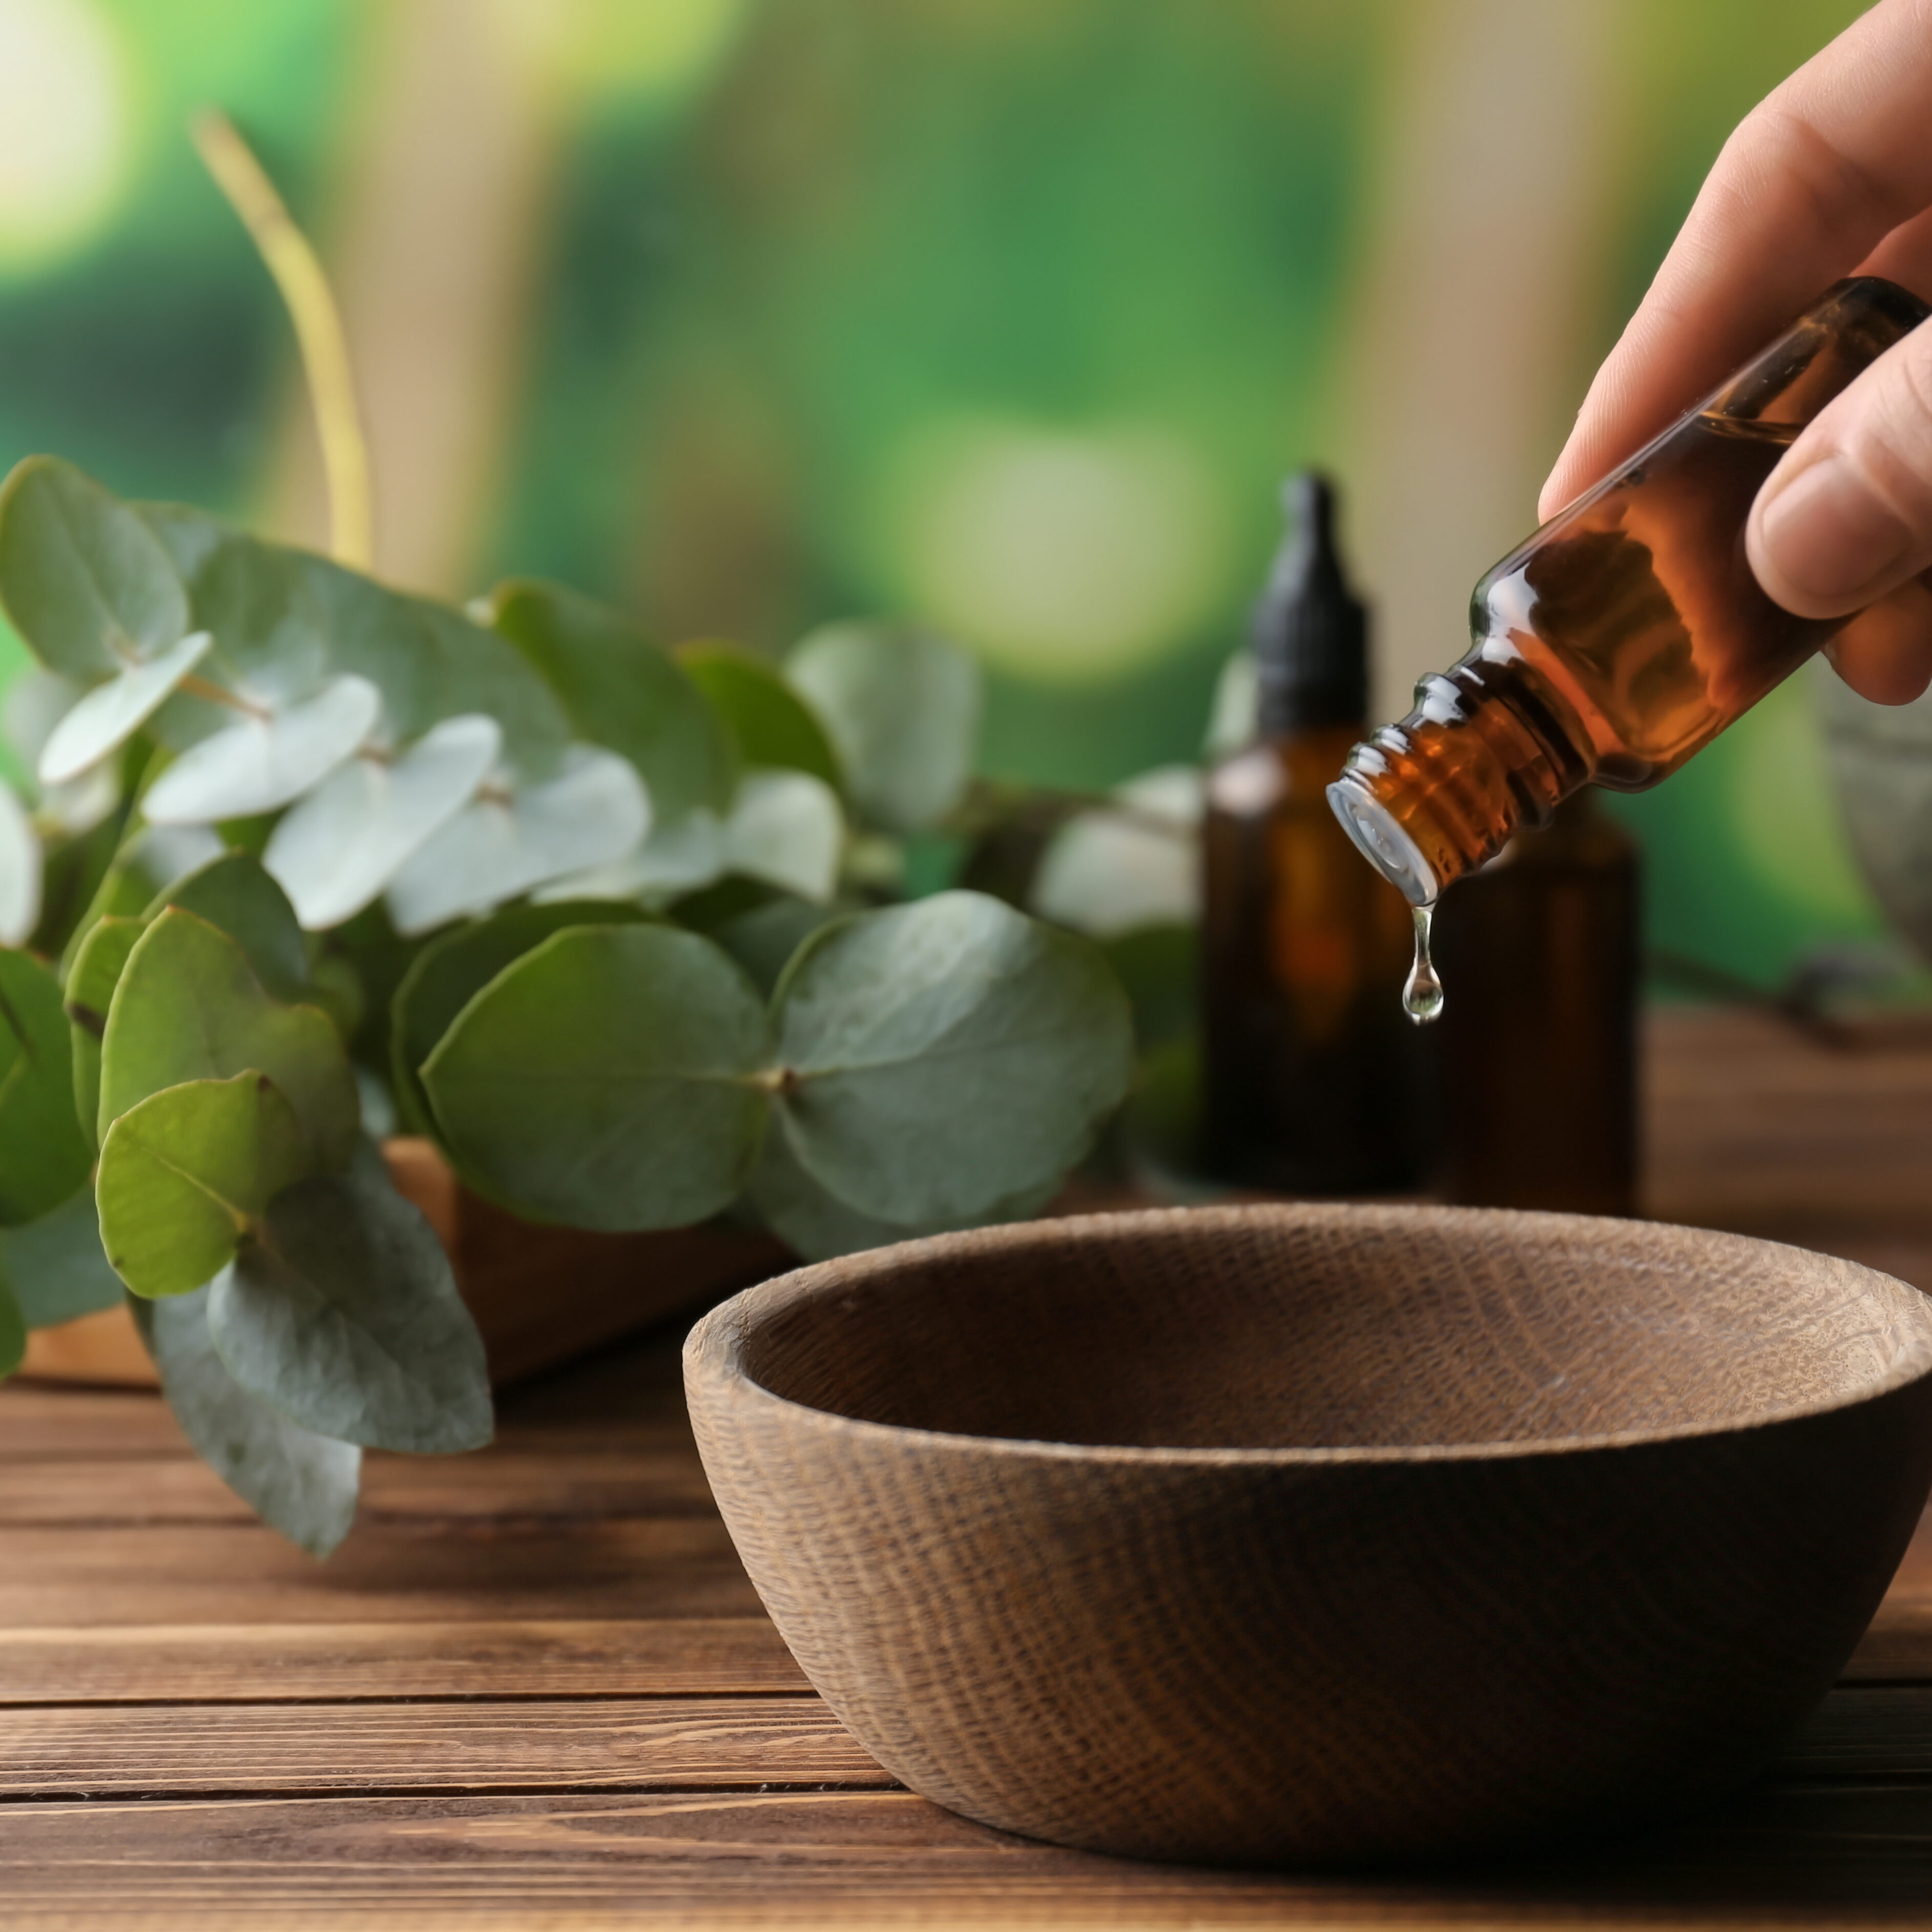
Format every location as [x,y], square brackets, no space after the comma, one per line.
[1541,951]
[1303,1049]
[1626,634]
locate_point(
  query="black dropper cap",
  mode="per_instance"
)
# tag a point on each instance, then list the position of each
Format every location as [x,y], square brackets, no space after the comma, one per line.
[1311,637]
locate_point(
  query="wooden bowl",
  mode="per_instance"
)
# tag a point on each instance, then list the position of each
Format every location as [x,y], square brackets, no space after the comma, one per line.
[1317,1534]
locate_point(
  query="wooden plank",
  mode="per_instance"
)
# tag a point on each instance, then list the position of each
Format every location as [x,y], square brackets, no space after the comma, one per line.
[244,1573]
[221,1663]
[1827,1854]
[304,1750]
[501,1485]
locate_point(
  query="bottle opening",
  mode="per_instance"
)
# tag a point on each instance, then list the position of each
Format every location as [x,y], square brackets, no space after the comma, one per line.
[1383,842]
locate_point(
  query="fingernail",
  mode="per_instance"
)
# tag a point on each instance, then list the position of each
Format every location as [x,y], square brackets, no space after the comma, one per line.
[1831,538]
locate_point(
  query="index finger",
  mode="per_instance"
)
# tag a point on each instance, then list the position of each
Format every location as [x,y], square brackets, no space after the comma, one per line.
[1810,183]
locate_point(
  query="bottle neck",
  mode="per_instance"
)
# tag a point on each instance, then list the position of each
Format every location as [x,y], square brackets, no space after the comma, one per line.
[1483,756]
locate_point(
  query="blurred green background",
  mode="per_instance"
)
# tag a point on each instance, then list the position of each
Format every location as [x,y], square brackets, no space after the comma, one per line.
[1005,314]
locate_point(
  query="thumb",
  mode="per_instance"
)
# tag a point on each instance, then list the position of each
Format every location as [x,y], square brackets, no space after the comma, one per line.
[1847,516]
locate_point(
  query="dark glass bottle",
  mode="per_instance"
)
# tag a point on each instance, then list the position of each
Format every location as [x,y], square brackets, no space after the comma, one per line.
[1626,633]
[1541,951]
[1310,1073]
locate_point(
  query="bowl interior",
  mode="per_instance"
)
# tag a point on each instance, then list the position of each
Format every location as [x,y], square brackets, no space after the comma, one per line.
[1316,1327]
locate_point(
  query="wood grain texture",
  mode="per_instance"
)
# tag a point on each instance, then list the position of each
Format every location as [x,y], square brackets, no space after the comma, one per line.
[1825,1855]
[292,1750]
[1401,1530]
[216,1663]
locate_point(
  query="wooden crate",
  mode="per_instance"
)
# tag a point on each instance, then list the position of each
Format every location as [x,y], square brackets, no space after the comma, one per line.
[541,1296]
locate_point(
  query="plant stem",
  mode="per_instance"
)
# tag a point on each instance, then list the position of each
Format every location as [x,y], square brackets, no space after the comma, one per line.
[285,253]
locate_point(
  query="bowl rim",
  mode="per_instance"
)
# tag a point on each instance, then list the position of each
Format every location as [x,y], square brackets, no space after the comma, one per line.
[714,1351]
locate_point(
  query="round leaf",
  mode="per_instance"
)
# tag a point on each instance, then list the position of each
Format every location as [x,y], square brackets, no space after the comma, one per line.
[787,828]
[83,579]
[606,1080]
[770,724]
[111,713]
[334,852]
[57,1265]
[947,1056]
[1105,873]
[261,763]
[185,1176]
[447,974]
[46,1156]
[623,692]
[303,1483]
[96,972]
[594,813]
[344,1316]
[189,1006]
[237,897]
[20,870]
[902,707]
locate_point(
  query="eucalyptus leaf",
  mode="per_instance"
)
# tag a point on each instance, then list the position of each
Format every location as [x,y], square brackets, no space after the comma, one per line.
[944,1057]
[303,1483]
[816,1225]
[345,1316]
[111,713]
[189,535]
[13,1328]
[452,970]
[621,690]
[763,937]
[96,972]
[787,830]
[186,1175]
[1111,872]
[335,851]
[263,763]
[82,578]
[59,1268]
[770,723]
[606,1080]
[902,709]
[234,894]
[673,860]
[189,1006]
[20,870]
[36,702]
[46,1155]
[499,847]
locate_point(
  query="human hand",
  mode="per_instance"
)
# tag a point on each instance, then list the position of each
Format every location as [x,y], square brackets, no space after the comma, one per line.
[1831,174]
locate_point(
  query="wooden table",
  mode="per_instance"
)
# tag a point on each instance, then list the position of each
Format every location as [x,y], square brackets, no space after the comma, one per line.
[535,1690]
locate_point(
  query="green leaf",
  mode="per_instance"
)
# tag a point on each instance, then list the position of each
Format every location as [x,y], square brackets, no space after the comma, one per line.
[111,713]
[453,969]
[59,1268]
[763,936]
[303,1483]
[190,1007]
[345,1315]
[815,1224]
[263,762]
[46,1155]
[902,709]
[944,1057]
[236,896]
[82,577]
[13,1328]
[623,691]
[770,724]
[96,970]
[186,1175]
[606,1080]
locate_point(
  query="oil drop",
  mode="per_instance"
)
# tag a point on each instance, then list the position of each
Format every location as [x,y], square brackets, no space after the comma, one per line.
[1422,991]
